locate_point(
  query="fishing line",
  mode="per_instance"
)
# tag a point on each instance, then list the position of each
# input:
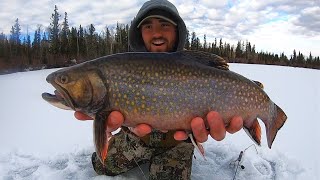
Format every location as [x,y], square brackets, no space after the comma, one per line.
[239,159]
[140,169]
[131,146]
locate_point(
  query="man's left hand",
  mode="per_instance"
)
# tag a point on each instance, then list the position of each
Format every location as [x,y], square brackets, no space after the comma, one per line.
[216,129]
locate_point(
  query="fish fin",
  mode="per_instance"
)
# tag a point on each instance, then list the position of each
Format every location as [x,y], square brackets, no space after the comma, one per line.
[207,59]
[100,135]
[104,153]
[275,124]
[197,145]
[254,131]
[259,84]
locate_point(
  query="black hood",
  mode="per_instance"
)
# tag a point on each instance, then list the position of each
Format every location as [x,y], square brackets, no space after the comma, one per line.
[163,6]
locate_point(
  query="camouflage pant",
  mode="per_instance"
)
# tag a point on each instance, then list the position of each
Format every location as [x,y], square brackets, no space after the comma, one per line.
[126,150]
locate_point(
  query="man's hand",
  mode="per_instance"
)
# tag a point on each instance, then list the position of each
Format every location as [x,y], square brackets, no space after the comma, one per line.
[217,129]
[114,121]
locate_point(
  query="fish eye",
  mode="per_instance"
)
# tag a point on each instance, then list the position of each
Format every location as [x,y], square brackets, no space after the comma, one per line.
[63,79]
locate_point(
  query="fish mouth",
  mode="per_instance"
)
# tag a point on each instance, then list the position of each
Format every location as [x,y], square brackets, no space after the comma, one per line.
[60,98]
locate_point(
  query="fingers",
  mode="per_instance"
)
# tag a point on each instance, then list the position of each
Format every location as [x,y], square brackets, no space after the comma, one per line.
[216,125]
[199,130]
[235,125]
[115,120]
[141,130]
[180,135]
[82,117]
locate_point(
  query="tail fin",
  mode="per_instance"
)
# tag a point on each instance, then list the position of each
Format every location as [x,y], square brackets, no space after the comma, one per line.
[100,137]
[275,124]
[254,131]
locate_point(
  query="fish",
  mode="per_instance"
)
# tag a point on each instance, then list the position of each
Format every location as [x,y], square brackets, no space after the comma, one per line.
[165,90]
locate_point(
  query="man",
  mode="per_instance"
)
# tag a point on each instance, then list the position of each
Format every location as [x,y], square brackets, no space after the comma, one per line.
[157,28]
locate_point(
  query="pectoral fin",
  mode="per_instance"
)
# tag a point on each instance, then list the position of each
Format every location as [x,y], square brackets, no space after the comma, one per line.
[254,131]
[100,135]
[197,145]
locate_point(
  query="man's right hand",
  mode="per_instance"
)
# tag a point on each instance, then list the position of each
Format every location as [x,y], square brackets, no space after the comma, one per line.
[115,121]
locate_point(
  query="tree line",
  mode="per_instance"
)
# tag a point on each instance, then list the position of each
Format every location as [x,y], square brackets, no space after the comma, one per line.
[60,45]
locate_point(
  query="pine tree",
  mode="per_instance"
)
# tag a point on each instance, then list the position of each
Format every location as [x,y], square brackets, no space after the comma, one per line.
[193,41]
[187,44]
[44,49]
[82,49]
[65,31]
[300,59]
[214,47]
[54,32]
[91,40]
[74,45]
[309,61]
[3,40]
[205,45]
[28,49]
[17,32]
[220,52]
[15,41]
[238,50]
[109,41]
[294,58]
[198,44]
[283,59]
[36,44]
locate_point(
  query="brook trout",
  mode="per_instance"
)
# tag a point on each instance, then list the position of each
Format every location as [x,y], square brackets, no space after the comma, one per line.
[164,90]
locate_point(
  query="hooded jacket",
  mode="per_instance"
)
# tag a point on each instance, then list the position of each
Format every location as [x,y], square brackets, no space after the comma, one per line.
[163,7]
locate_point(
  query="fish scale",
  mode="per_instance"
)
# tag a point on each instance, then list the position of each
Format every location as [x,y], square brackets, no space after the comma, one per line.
[164,90]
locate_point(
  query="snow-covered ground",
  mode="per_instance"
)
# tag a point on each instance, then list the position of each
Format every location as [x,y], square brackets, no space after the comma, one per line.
[39,141]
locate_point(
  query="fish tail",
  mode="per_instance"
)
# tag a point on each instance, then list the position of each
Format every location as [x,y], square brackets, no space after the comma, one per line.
[100,138]
[275,124]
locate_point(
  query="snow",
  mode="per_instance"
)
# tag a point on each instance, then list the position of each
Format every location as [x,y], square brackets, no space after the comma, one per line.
[39,141]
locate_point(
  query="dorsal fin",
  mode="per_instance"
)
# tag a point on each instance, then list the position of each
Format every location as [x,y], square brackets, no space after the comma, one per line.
[259,84]
[208,59]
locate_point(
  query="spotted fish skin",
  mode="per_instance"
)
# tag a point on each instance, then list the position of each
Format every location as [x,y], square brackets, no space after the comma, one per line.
[166,91]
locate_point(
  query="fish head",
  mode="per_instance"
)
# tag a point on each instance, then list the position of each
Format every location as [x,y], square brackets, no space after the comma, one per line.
[79,89]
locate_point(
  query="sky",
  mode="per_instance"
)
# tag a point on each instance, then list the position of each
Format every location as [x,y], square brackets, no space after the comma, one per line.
[274,26]
[40,141]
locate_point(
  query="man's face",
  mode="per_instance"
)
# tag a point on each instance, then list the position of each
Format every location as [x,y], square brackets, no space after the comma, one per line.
[158,35]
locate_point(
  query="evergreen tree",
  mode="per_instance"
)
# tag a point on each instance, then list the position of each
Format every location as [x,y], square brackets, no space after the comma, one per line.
[28,49]
[309,61]
[65,31]
[44,49]
[109,41]
[16,32]
[82,49]
[220,52]
[294,58]
[36,44]
[187,44]
[74,45]
[198,44]
[283,59]
[205,45]
[238,50]
[300,59]
[54,32]
[193,41]
[3,41]
[91,40]
[15,38]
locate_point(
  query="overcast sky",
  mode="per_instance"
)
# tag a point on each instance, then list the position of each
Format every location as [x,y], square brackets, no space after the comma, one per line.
[272,25]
